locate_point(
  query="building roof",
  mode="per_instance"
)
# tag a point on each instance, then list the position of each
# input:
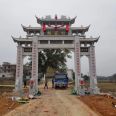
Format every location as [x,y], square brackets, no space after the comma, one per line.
[89,40]
[52,21]
[30,29]
[82,39]
[80,29]
[22,40]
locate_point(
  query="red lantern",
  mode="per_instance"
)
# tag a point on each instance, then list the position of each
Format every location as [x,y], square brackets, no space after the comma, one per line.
[67,27]
[44,27]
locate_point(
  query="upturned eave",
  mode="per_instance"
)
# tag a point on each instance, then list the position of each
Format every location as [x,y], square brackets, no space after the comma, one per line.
[54,21]
[80,29]
[89,40]
[21,39]
[30,29]
[38,29]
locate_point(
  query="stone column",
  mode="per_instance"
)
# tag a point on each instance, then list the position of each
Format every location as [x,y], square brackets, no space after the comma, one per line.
[19,70]
[34,87]
[77,64]
[92,69]
[70,31]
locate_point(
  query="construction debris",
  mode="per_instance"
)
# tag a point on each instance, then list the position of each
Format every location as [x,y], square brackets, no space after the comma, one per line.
[73,92]
[114,104]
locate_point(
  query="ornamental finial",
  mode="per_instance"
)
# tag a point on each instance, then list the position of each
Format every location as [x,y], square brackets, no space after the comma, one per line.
[56,16]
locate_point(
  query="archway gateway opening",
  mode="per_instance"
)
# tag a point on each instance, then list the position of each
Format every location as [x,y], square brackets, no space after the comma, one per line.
[85,72]
[26,70]
[55,33]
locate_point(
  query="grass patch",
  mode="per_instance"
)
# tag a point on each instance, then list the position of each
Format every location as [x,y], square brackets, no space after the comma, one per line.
[106,87]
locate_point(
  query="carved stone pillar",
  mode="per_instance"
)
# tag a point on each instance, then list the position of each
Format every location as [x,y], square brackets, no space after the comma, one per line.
[19,69]
[77,64]
[92,69]
[35,64]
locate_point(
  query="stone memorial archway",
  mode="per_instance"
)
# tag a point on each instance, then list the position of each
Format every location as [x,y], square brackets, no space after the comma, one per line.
[56,33]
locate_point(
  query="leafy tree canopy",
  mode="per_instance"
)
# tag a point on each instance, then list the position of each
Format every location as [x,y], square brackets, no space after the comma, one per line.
[54,58]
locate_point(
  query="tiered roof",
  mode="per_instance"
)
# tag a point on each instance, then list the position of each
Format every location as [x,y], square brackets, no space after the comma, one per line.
[52,21]
[82,40]
[30,29]
[56,24]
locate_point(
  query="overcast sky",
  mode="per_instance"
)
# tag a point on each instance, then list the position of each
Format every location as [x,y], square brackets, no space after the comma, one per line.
[101,14]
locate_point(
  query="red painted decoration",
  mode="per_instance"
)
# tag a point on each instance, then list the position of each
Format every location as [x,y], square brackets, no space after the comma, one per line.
[44,27]
[31,82]
[81,82]
[56,28]
[67,27]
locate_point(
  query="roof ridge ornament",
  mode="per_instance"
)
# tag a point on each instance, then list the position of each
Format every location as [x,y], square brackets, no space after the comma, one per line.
[63,17]
[48,16]
[81,25]
[12,37]
[56,17]
[91,37]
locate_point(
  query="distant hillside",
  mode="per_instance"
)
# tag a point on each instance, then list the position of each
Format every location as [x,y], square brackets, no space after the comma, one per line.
[111,78]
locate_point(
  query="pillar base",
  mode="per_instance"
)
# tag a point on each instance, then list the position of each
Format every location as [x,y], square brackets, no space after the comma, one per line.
[82,92]
[33,91]
[33,87]
[18,84]
[95,90]
[79,91]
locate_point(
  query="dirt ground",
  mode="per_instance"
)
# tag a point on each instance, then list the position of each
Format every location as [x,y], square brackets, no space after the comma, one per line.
[54,103]
[101,104]
[6,104]
[57,103]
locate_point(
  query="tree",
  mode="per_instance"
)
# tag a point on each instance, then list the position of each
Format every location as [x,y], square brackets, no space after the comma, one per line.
[86,77]
[54,58]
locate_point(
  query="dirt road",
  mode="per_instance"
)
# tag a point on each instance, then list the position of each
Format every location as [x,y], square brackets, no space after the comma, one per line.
[54,103]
